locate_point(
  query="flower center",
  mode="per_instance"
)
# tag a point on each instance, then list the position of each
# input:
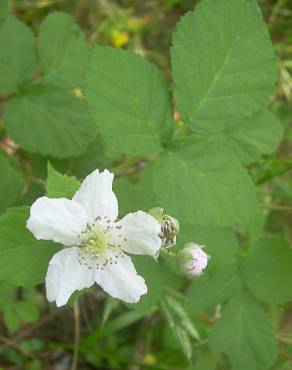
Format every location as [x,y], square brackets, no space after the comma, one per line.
[97,244]
[97,248]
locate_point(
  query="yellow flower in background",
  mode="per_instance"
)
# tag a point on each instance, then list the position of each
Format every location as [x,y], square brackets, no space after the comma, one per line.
[120,38]
[149,359]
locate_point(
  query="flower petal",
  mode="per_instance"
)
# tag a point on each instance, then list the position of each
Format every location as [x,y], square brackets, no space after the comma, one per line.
[121,281]
[139,234]
[60,220]
[97,197]
[65,275]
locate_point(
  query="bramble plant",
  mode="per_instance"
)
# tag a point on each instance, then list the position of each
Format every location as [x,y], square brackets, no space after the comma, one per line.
[78,113]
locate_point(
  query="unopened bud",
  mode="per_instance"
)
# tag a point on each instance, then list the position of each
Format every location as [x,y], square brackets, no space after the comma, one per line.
[192,259]
[169,226]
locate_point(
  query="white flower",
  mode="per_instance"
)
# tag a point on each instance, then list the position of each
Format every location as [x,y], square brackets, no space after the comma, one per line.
[96,241]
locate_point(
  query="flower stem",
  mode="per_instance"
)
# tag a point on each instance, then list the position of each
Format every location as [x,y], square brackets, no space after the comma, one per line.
[77,335]
[168,253]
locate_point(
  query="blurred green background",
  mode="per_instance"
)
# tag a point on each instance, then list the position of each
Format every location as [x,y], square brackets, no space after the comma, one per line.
[34,336]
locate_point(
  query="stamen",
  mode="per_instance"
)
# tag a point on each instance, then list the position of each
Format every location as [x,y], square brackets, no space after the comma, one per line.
[94,244]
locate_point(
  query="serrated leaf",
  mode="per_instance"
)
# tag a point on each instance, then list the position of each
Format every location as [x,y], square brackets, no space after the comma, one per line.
[17,54]
[219,243]
[229,72]
[141,190]
[248,138]
[184,341]
[60,186]
[245,334]
[23,259]
[179,323]
[204,185]
[129,101]
[182,317]
[157,279]
[268,273]
[63,50]
[220,280]
[211,289]
[11,184]
[47,120]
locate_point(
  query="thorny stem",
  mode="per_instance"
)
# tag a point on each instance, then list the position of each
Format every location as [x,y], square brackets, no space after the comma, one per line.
[77,335]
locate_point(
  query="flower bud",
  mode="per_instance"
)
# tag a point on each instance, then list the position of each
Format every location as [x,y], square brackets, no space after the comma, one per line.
[192,259]
[169,226]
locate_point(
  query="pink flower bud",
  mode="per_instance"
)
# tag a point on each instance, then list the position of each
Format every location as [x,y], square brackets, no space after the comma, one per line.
[192,259]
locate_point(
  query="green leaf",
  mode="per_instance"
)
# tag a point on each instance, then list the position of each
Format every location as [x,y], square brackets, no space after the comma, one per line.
[245,334]
[157,279]
[4,11]
[11,184]
[206,360]
[268,273]
[11,319]
[212,289]
[219,243]
[220,280]
[47,120]
[60,186]
[204,185]
[129,101]
[97,155]
[17,54]
[110,305]
[63,50]
[179,333]
[23,259]
[180,323]
[16,309]
[182,317]
[27,311]
[248,139]
[224,66]
[141,190]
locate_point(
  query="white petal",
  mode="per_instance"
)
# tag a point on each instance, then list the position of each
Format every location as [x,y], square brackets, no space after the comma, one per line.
[97,197]
[60,220]
[121,280]
[65,275]
[139,234]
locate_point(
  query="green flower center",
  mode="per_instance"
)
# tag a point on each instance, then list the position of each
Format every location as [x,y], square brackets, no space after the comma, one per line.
[97,244]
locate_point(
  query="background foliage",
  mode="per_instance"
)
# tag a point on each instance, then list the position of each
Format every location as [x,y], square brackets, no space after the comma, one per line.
[238,314]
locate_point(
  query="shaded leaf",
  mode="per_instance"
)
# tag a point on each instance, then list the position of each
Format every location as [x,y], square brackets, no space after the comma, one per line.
[23,259]
[11,184]
[268,272]
[245,334]
[17,54]
[47,120]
